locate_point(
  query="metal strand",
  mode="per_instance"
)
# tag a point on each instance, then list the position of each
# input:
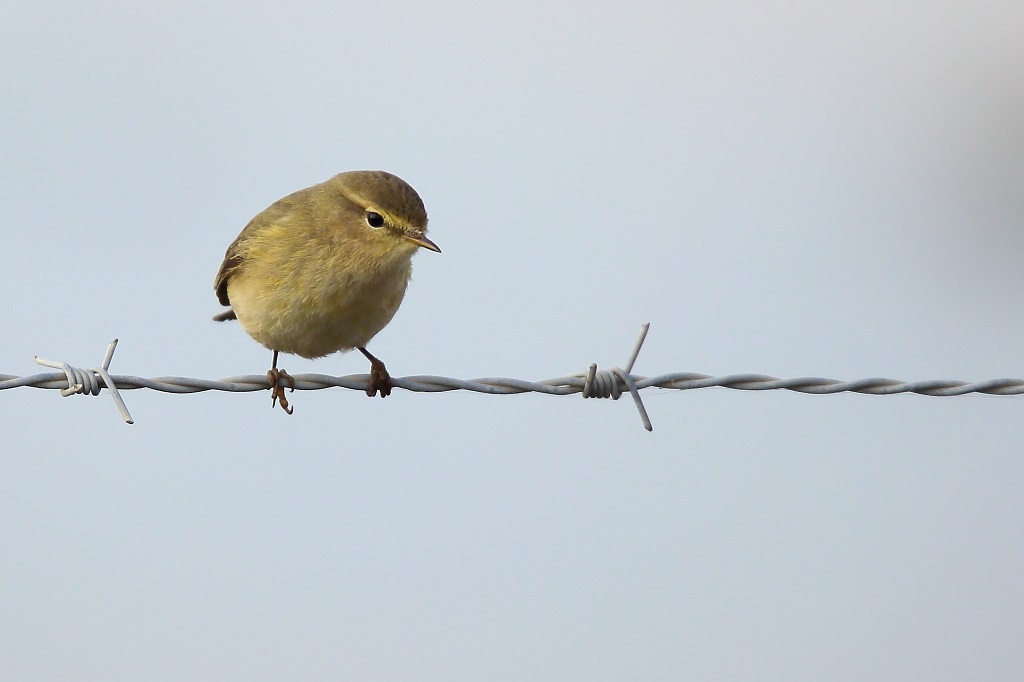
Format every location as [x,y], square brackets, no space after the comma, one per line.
[594,383]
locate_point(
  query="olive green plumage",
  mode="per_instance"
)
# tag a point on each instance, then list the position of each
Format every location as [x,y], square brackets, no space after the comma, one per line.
[325,268]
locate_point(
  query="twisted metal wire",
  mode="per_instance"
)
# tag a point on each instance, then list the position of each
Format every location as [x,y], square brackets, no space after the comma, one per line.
[594,383]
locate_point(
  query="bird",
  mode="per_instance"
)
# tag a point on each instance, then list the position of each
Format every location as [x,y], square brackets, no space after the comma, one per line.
[324,269]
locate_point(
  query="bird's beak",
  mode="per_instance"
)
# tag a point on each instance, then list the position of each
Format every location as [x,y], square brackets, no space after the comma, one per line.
[421,240]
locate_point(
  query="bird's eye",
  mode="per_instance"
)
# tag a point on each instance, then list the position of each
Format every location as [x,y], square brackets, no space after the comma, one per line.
[374,219]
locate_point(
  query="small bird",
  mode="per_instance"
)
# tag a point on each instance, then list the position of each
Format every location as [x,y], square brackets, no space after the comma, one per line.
[324,269]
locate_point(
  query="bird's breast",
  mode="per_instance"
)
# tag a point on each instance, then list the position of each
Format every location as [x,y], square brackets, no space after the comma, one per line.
[312,309]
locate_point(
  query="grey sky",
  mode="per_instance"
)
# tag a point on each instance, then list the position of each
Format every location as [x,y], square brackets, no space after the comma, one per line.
[826,189]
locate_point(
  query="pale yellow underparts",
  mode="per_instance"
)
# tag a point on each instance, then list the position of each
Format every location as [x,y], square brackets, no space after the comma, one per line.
[315,298]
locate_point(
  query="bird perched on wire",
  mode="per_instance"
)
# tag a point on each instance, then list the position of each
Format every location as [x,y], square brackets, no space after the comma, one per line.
[324,269]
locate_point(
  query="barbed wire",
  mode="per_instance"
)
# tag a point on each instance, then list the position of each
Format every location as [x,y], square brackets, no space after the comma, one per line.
[594,383]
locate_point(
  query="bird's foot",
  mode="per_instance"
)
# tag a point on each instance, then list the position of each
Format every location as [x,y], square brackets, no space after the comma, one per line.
[380,380]
[278,380]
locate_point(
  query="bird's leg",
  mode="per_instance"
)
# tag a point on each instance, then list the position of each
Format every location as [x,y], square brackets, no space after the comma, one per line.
[277,376]
[380,380]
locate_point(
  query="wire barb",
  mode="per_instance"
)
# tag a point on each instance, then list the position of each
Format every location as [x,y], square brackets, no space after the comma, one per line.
[87,381]
[605,383]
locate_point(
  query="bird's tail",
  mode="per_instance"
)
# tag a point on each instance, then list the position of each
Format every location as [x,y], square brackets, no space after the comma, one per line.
[228,314]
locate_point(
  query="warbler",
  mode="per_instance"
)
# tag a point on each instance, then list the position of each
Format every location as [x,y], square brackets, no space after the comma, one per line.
[324,269]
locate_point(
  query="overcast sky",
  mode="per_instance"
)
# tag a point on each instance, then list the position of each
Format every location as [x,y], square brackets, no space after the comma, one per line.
[788,188]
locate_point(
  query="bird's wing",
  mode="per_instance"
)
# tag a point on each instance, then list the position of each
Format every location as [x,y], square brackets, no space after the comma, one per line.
[298,208]
[232,261]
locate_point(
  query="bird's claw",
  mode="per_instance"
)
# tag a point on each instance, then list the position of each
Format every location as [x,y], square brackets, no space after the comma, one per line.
[380,380]
[278,379]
